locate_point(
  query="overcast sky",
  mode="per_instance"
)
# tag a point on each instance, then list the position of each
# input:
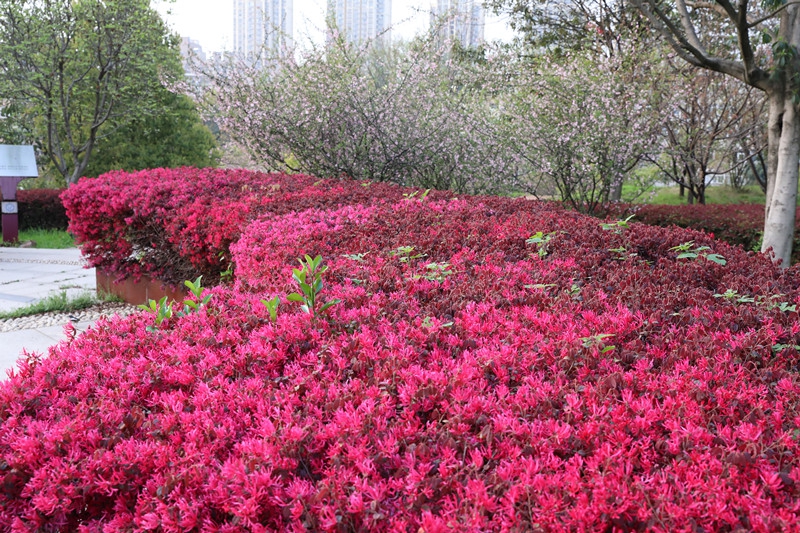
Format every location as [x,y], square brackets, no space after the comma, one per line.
[211,21]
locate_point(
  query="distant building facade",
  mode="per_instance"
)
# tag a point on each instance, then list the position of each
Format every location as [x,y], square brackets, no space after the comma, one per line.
[192,57]
[459,20]
[191,49]
[360,20]
[262,25]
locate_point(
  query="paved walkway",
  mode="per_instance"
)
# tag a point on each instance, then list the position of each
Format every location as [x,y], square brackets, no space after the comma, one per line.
[28,275]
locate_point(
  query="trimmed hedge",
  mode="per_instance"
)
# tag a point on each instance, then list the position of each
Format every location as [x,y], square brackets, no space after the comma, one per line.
[177,224]
[741,224]
[41,209]
[492,365]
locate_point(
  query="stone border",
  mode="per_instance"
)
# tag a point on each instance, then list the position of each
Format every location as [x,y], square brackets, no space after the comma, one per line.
[54,318]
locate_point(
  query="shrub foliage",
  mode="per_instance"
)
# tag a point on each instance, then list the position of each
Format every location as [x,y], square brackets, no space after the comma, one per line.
[41,209]
[178,224]
[741,224]
[491,365]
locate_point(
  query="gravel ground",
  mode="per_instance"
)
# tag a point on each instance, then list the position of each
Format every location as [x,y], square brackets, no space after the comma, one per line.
[55,318]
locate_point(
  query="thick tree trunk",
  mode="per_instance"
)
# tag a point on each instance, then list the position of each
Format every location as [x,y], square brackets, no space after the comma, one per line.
[782,174]
[774,128]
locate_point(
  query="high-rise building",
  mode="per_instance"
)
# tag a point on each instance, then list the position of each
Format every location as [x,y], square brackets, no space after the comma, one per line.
[459,20]
[360,20]
[261,26]
[192,56]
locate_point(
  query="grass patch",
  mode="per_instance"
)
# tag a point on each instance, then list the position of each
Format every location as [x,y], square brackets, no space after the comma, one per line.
[59,302]
[719,194]
[48,238]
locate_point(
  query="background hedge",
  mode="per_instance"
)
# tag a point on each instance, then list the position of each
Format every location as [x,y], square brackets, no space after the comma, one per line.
[41,208]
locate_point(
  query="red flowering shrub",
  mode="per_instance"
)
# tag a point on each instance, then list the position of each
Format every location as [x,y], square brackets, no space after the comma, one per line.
[741,224]
[177,224]
[492,365]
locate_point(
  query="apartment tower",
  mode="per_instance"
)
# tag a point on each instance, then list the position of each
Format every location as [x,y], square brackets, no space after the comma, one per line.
[360,20]
[262,26]
[459,20]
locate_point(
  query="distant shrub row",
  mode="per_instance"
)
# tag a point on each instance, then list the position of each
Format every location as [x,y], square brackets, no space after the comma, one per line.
[41,208]
[741,224]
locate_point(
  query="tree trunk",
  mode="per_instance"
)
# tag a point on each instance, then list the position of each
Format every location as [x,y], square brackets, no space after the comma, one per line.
[616,191]
[783,157]
[774,128]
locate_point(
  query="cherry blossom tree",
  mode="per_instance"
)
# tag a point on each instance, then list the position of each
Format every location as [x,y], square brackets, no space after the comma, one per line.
[713,128]
[583,124]
[414,115]
[729,38]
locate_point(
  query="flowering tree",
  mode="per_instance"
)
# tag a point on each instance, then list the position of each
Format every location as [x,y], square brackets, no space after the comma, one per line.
[712,129]
[600,26]
[726,37]
[582,124]
[414,115]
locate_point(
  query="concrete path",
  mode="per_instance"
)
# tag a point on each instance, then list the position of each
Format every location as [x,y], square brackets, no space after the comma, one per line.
[28,275]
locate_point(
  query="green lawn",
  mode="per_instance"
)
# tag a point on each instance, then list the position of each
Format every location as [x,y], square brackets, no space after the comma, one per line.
[47,238]
[721,194]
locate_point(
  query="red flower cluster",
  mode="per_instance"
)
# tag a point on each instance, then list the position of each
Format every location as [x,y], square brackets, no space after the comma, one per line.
[741,224]
[493,365]
[177,224]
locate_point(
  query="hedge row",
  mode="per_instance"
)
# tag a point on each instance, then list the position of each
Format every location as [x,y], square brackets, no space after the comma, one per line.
[41,209]
[491,365]
[741,224]
[177,224]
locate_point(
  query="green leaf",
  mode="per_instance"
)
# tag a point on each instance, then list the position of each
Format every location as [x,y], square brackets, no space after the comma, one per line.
[150,306]
[330,304]
[716,258]
[294,297]
[541,286]
[195,287]
[685,247]
[306,288]
[272,307]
